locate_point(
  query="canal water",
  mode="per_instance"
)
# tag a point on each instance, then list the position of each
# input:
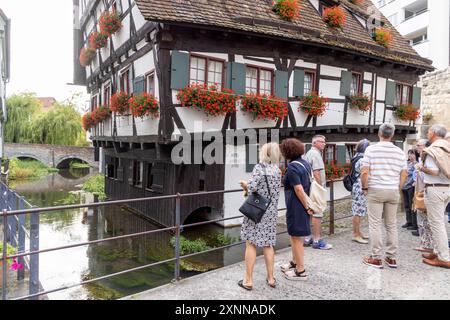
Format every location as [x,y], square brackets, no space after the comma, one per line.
[70,266]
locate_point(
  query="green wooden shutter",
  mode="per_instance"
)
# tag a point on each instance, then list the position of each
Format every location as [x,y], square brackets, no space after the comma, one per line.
[299,83]
[340,154]
[346,82]
[399,144]
[390,93]
[417,96]
[227,83]
[138,85]
[238,77]
[179,70]
[281,84]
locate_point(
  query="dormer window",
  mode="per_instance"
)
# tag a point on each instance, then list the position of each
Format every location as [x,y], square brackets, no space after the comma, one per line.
[325,4]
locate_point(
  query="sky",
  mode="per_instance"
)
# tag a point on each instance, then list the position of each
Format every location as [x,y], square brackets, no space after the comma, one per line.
[41,48]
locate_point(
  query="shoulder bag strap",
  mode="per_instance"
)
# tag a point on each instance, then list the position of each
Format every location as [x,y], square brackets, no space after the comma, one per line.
[267,182]
[311,176]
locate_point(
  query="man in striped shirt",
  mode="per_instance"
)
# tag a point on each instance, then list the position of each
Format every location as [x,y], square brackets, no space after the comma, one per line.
[383,174]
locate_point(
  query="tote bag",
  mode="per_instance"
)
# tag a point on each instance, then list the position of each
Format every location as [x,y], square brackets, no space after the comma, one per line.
[317,194]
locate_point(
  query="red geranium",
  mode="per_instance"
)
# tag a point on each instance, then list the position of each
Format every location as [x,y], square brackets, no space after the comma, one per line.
[334,17]
[361,101]
[383,36]
[209,99]
[264,106]
[86,121]
[287,9]
[119,103]
[86,56]
[407,112]
[313,104]
[100,114]
[144,104]
[109,23]
[336,171]
[98,40]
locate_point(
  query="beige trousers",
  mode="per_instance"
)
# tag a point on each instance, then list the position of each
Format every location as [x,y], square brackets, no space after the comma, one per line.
[383,203]
[436,199]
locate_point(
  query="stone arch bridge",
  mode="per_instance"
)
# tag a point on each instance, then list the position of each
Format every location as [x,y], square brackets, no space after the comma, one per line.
[51,155]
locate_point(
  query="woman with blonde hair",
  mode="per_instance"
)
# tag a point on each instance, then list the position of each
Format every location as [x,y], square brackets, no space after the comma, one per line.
[262,234]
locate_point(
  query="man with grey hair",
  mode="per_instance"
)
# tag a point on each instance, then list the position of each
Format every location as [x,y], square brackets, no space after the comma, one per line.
[315,159]
[436,169]
[383,174]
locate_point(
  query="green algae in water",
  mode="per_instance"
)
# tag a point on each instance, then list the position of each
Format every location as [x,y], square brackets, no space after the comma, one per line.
[114,254]
[99,291]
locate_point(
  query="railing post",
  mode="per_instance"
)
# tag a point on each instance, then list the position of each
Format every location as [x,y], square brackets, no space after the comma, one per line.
[21,239]
[34,258]
[331,207]
[5,262]
[177,237]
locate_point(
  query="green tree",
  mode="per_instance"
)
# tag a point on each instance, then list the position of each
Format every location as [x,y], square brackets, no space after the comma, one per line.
[21,111]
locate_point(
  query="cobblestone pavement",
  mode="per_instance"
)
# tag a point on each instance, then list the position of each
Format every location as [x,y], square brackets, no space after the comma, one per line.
[334,274]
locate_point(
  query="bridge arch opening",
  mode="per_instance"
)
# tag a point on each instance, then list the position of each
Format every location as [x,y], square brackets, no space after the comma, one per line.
[29,158]
[198,215]
[72,162]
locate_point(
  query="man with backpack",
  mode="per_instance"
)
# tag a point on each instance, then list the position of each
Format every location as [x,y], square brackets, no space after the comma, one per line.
[352,182]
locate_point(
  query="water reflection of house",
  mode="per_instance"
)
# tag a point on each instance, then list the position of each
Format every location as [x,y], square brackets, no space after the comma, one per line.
[165,45]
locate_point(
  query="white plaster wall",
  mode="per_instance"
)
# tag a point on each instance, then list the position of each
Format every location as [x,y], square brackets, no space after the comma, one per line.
[330,89]
[379,113]
[331,71]
[303,64]
[139,20]
[381,88]
[300,116]
[108,127]
[123,34]
[196,120]
[333,116]
[245,120]
[368,76]
[355,116]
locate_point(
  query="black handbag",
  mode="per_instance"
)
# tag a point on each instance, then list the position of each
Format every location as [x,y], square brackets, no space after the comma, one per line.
[256,205]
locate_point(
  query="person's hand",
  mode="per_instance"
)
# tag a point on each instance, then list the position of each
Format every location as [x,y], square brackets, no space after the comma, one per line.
[419,167]
[365,193]
[310,212]
[243,184]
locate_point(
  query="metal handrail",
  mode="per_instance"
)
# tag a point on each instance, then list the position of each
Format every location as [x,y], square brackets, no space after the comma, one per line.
[177,228]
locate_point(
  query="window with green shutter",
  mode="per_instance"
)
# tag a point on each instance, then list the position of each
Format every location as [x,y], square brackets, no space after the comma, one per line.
[179,70]
[238,77]
[417,96]
[341,152]
[299,83]
[390,93]
[281,84]
[346,83]
[138,85]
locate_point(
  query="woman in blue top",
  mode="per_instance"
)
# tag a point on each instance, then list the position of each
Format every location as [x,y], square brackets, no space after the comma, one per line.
[296,190]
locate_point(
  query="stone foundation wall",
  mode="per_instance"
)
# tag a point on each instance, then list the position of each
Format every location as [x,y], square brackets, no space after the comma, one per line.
[436,98]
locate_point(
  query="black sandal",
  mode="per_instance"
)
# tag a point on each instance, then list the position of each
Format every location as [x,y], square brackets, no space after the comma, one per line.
[242,285]
[272,285]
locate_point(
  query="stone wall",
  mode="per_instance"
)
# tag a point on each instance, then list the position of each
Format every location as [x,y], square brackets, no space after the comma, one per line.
[436,97]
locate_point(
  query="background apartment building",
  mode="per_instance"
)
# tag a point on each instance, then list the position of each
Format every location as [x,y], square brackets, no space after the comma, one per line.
[425,23]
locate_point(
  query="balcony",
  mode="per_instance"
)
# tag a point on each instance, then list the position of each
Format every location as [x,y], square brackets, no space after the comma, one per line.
[418,21]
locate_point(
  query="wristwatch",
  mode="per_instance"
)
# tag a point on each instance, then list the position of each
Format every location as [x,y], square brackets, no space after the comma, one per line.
[365,189]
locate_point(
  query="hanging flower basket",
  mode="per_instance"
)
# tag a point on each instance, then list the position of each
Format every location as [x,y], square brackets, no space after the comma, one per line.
[100,114]
[335,171]
[407,112]
[98,40]
[209,99]
[109,23]
[87,121]
[143,105]
[334,17]
[264,106]
[313,104]
[382,36]
[357,2]
[361,101]
[119,103]
[86,56]
[288,10]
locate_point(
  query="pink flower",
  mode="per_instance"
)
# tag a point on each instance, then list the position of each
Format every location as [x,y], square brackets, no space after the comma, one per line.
[15,265]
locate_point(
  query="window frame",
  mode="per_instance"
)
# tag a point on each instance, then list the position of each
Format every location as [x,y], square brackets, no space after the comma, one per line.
[107,89]
[126,71]
[314,82]
[258,78]
[146,76]
[137,168]
[410,96]
[94,102]
[207,60]
[360,76]
[348,147]
[324,153]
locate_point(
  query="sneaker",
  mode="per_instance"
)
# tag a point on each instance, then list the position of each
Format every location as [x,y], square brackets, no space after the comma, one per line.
[377,263]
[288,266]
[294,275]
[360,240]
[390,262]
[307,242]
[415,233]
[322,245]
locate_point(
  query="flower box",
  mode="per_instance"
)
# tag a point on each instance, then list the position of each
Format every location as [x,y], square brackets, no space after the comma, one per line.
[313,104]
[407,112]
[335,171]
[86,56]
[144,104]
[208,99]
[288,10]
[100,114]
[109,23]
[382,36]
[361,101]
[98,40]
[334,17]
[119,103]
[264,107]
[87,121]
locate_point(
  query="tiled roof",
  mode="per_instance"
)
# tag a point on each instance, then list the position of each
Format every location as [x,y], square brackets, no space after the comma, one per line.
[256,16]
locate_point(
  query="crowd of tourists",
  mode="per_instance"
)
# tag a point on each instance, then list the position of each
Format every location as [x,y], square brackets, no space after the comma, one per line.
[380,173]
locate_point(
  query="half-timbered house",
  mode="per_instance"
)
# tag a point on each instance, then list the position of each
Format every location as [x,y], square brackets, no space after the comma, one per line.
[164,45]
